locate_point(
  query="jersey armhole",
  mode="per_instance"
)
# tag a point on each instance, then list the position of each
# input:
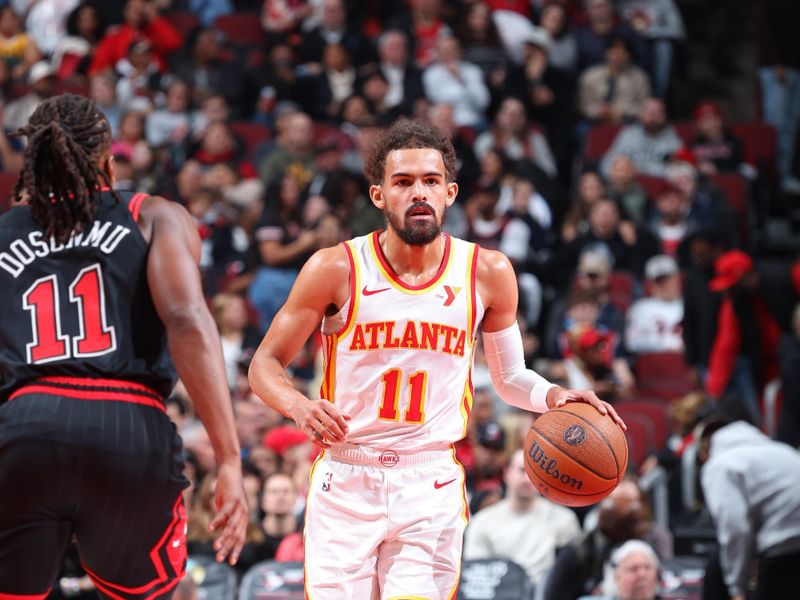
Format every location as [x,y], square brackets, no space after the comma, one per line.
[135,205]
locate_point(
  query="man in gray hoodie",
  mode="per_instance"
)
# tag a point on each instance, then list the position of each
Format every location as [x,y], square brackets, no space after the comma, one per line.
[752,489]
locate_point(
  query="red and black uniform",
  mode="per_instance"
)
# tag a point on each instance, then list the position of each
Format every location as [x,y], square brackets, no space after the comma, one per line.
[86,448]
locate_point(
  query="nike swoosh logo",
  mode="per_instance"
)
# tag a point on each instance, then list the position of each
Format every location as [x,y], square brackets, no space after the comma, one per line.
[438,485]
[367,292]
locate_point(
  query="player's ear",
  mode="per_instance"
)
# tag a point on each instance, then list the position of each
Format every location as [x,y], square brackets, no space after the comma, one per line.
[376,195]
[452,192]
[110,168]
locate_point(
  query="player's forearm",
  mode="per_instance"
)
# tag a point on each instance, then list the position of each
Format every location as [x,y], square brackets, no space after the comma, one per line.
[515,384]
[270,382]
[197,353]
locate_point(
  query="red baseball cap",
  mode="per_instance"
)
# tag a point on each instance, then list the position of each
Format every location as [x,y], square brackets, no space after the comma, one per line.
[730,268]
[707,109]
[283,437]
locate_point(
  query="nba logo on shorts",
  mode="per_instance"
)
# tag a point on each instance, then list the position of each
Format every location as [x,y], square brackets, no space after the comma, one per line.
[326,483]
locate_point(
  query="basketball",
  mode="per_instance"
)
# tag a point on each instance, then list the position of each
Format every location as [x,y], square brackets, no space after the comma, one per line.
[574,455]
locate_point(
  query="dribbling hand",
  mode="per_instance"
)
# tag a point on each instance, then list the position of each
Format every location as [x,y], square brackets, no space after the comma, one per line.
[321,421]
[231,514]
[561,396]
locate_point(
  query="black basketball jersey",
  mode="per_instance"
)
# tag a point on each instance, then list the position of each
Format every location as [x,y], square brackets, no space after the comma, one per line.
[82,308]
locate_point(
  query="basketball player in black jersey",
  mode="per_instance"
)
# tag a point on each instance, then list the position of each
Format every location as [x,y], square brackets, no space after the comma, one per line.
[100,293]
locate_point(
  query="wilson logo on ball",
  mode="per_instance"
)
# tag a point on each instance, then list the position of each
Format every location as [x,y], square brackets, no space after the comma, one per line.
[574,435]
[550,466]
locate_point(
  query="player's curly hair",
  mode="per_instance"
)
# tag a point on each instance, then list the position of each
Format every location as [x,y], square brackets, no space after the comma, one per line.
[66,136]
[409,133]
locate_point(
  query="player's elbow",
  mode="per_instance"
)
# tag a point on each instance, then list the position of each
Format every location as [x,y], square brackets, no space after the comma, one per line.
[184,319]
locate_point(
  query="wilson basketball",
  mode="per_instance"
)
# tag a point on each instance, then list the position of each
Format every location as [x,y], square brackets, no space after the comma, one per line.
[574,455]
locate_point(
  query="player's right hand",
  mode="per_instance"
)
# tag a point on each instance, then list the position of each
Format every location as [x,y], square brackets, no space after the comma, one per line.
[321,421]
[231,513]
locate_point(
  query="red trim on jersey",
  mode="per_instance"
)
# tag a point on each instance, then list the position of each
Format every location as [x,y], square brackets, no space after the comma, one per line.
[163,581]
[135,204]
[91,382]
[473,290]
[24,596]
[93,389]
[351,312]
[396,279]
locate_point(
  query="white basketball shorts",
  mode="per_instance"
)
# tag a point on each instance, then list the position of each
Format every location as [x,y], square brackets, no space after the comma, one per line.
[383,525]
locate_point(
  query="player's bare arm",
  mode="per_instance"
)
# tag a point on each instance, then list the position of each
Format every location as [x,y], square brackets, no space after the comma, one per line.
[321,288]
[174,280]
[497,285]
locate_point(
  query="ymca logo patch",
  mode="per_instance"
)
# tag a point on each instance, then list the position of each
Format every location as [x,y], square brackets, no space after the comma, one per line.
[449,294]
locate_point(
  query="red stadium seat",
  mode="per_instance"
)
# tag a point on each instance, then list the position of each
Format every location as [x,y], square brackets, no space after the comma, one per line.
[251,134]
[7,183]
[655,412]
[598,140]
[621,289]
[663,375]
[184,21]
[652,185]
[242,28]
[639,438]
[735,188]
[685,131]
[760,142]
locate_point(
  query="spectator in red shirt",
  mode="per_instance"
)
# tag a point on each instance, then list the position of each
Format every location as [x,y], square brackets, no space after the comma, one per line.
[141,21]
[755,309]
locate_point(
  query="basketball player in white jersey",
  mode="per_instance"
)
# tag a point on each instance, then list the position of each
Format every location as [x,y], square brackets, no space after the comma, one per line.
[400,311]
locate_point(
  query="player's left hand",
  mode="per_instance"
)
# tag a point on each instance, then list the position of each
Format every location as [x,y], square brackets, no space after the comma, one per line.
[231,514]
[561,396]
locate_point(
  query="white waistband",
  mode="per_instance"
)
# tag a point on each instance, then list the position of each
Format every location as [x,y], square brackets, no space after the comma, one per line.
[361,455]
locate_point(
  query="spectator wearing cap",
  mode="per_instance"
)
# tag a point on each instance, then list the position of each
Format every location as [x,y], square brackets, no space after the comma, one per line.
[653,324]
[142,21]
[614,90]
[41,80]
[671,220]
[647,142]
[489,458]
[756,306]
[523,527]
[716,149]
[138,75]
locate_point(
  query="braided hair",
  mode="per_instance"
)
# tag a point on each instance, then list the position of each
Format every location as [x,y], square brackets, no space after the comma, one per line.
[67,135]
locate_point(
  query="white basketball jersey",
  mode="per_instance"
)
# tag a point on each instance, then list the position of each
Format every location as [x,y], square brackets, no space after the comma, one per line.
[398,358]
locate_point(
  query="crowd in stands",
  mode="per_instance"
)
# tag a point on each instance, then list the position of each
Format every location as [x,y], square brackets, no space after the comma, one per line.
[632,229]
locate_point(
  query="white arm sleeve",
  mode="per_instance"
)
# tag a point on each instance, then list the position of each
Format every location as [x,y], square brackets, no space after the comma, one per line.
[515,384]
